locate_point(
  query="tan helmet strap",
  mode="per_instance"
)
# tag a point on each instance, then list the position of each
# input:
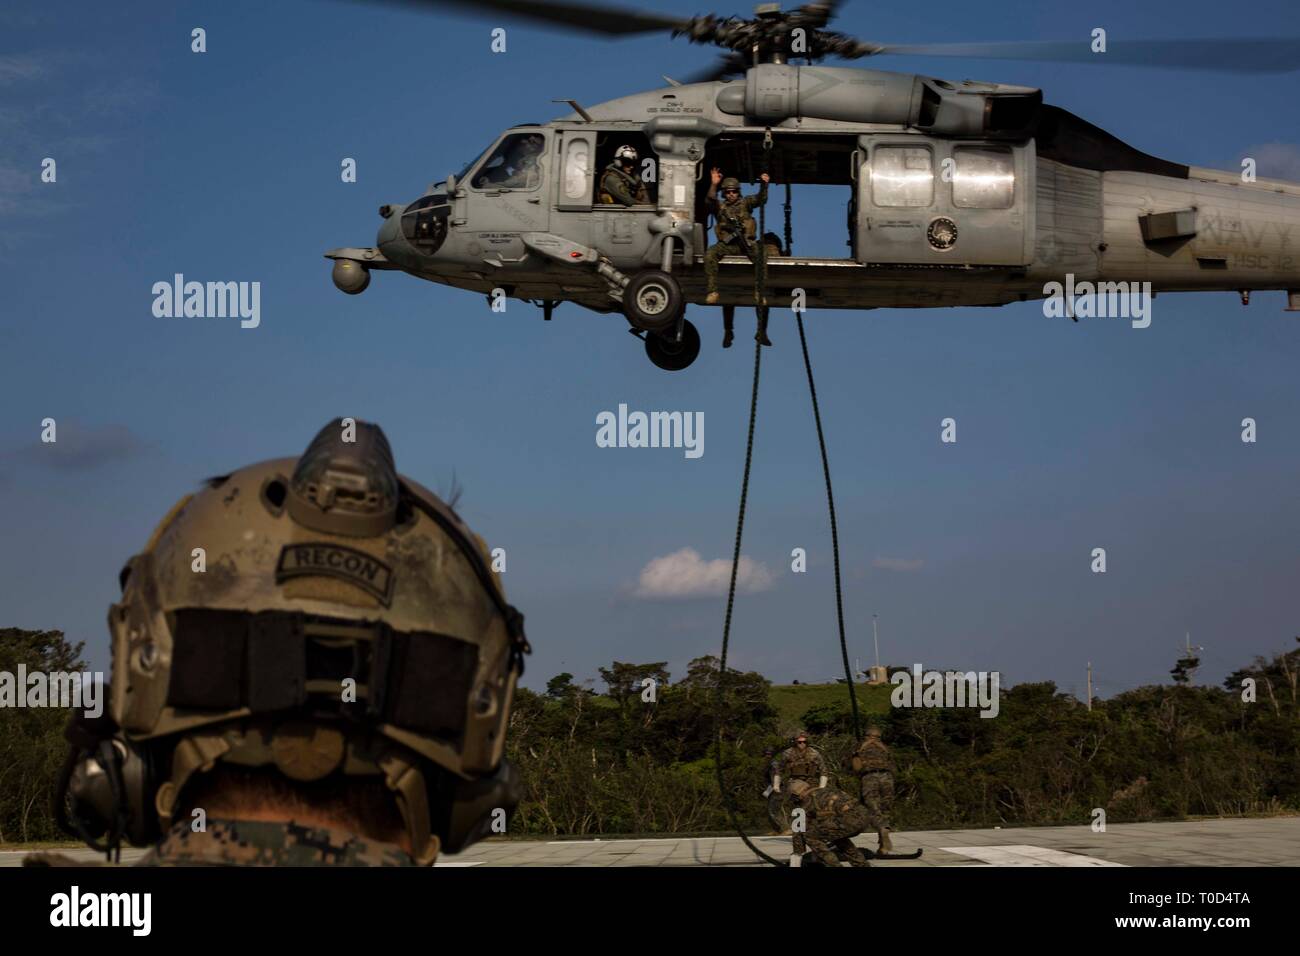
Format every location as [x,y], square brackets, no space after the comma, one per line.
[407,784]
[192,754]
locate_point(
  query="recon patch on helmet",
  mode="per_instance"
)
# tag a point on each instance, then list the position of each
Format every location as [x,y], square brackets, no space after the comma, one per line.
[334,560]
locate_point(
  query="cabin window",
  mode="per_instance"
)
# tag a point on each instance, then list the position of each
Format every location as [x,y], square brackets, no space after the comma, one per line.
[902,176]
[515,164]
[577,170]
[646,167]
[984,177]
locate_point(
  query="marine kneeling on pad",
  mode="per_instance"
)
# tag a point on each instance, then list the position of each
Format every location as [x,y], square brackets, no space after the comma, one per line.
[331,687]
[832,818]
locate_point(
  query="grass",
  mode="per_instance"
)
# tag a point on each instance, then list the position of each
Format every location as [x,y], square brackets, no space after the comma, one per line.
[792,701]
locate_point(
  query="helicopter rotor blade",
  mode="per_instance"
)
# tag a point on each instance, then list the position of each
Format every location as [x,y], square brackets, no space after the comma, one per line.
[1279,55]
[1238,55]
[823,10]
[603,19]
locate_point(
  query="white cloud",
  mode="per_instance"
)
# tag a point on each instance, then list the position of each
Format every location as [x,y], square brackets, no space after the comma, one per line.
[17,67]
[899,564]
[684,574]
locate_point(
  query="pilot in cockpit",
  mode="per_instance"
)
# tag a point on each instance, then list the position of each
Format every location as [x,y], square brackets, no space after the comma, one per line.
[521,168]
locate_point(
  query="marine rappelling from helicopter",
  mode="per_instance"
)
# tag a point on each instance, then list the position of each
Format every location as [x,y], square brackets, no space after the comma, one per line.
[958,193]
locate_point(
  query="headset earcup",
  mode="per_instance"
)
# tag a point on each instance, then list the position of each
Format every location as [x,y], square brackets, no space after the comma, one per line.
[140,784]
[110,781]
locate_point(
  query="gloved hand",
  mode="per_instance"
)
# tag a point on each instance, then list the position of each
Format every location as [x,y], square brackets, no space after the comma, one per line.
[822,784]
[776,783]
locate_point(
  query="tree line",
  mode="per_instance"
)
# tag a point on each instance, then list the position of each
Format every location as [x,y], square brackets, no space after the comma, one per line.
[638,757]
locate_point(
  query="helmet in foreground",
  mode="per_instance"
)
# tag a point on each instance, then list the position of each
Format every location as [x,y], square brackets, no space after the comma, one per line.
[315,617]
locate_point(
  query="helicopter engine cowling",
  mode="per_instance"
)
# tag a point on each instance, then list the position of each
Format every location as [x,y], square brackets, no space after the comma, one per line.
[774,92]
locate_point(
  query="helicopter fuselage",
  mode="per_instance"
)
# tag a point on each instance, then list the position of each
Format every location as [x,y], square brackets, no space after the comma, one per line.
[957,195]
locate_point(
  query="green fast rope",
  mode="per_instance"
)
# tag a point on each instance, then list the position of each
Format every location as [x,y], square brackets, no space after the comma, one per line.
[835,535]
[760,283]
[789,233]
[726,627]
[760,286]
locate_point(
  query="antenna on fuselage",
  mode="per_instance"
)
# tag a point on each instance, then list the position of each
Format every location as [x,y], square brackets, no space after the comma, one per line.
[586,117]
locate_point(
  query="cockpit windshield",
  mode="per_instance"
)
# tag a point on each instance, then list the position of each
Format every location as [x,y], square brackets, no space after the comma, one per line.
[514,164]
[464,170]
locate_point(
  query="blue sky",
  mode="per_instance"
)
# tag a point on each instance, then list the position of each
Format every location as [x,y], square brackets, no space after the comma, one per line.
[225,166]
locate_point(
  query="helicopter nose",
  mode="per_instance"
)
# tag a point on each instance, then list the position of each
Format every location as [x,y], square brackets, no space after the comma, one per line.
[416,231]
[392,241]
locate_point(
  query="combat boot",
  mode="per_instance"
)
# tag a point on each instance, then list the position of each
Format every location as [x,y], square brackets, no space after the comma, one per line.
[886,846]
[727,338]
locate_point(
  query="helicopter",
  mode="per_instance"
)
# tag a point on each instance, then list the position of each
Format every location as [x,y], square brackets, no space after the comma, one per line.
[959,193]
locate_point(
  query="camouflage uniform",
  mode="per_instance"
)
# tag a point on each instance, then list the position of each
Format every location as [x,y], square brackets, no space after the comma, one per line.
[876,767]
[777,813]
[617,186]
[255,843]
[730,244]
[808,766]
[834,818]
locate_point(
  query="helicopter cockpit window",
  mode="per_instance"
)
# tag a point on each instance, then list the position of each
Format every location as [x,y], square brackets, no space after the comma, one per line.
[464,170]
[984,177]
[577,170]
[515,164]
[902,176]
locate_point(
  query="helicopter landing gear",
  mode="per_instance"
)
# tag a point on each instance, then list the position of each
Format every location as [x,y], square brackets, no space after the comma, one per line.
[668,353]
[653,301]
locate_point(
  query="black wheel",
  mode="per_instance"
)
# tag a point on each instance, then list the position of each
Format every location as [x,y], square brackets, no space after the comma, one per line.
[653,301]
[670,355]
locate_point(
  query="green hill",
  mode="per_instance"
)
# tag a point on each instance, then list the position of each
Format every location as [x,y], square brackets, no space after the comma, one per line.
[793,701]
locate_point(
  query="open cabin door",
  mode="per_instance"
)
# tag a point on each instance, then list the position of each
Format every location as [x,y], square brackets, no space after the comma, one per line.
[922,200]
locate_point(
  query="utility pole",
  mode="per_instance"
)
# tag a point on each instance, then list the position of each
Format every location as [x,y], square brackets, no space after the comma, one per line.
[1090,687]
[877,675]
